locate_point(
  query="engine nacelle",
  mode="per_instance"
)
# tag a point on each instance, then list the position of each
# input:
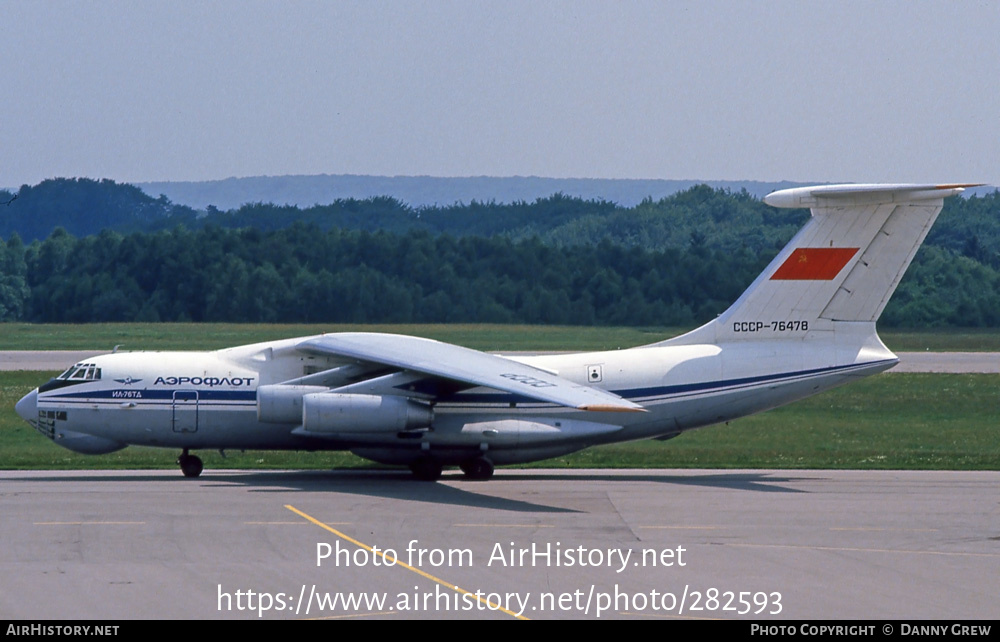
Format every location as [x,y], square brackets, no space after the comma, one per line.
[348,413]
[281,404]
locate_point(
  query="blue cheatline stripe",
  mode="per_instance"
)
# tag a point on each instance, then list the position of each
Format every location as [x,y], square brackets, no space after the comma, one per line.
[123,395]
[657,392]
[736,383]
[154,405]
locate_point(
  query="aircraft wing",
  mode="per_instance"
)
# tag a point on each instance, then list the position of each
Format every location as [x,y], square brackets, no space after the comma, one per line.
[455,363]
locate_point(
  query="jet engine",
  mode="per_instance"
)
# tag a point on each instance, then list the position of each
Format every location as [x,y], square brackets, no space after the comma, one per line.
[331,412]
[282,404]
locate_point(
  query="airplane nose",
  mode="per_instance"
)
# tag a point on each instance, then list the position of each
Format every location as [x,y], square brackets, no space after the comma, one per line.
[27,407]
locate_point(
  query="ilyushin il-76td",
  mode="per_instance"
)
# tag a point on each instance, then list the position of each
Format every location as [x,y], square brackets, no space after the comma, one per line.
[805,325]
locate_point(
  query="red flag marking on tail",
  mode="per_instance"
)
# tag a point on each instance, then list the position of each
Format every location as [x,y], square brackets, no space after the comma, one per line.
[814,264]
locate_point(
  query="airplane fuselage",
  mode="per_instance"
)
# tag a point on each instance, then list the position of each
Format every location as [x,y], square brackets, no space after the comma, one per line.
[209,400]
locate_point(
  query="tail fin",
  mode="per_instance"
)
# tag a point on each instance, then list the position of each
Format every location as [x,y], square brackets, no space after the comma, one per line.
[842,267]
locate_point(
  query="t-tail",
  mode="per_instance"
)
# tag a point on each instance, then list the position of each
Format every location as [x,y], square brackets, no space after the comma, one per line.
[828,286]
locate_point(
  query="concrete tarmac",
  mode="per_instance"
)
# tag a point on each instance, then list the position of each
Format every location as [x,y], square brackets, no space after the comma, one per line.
[762,545]
[949,362]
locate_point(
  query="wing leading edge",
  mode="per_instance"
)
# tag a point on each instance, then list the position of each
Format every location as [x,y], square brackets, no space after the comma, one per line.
[455,363]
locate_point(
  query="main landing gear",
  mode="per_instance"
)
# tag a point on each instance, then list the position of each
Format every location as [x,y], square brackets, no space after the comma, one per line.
[475,469]
[190,465]
[426,469]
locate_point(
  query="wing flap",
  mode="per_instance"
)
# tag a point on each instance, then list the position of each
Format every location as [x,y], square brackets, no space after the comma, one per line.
[449,361]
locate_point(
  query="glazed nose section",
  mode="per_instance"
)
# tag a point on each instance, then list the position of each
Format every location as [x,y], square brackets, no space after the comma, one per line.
[27,407]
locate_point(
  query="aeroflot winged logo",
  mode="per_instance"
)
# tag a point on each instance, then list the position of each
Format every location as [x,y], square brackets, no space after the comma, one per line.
[814,264]
[128,381]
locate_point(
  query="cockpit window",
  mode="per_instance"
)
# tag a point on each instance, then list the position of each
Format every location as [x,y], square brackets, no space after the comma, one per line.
[81,372]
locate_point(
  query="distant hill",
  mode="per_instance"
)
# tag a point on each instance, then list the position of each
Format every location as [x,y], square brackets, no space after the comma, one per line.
[420,191]
[718,217]
[724,217]
[82,206]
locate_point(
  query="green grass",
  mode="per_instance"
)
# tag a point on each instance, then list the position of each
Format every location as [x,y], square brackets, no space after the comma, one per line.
[891,421]
[493,337]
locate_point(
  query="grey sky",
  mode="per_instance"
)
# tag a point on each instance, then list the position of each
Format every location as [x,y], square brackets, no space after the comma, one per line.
[179,90]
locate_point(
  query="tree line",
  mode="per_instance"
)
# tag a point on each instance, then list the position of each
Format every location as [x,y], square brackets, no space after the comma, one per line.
[103,251]
[303,273]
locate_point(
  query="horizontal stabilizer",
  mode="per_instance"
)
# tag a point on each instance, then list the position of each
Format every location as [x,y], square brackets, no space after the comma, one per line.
[802,197]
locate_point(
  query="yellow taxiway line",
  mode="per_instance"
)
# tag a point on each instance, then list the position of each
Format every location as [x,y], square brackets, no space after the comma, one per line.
[396,562]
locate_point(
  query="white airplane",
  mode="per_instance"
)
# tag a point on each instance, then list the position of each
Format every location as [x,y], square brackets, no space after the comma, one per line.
[805,325]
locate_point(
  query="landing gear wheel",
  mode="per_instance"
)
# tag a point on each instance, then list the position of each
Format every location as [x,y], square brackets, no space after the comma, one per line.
[477,469]
[191,465]
[426,469]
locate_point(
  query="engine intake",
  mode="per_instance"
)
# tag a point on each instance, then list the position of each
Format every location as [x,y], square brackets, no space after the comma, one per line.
[282,404]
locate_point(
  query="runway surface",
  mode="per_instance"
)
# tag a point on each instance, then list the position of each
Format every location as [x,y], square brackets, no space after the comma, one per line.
[43,359]
[949,362]
[634,544]
[954,362]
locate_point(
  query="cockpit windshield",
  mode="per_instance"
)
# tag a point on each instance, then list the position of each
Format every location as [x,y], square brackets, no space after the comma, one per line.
[81,372]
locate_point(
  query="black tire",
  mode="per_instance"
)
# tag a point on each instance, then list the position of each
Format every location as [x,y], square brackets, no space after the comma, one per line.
[191,465]
[477,469]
